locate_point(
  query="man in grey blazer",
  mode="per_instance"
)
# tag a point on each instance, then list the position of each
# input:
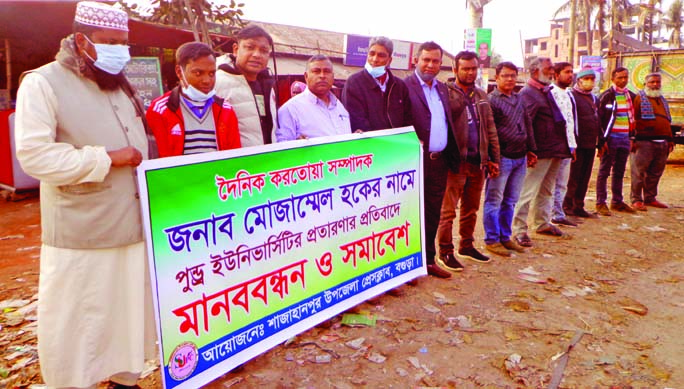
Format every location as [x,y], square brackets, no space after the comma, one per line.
[433,124]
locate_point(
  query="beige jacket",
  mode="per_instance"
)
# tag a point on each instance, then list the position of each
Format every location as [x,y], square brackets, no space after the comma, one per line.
[64,127]
[235,90]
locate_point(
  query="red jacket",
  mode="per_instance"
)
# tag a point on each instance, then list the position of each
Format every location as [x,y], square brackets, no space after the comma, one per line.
[165,118]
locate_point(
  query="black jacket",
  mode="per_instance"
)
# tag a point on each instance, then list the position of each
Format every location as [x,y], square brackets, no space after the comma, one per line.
[422,118]
[607,107]
[513,126]
[588,123]
[549,133]
[371,109]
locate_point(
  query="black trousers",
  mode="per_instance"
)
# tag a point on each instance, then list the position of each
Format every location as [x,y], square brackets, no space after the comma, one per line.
[435,172]
[578,182]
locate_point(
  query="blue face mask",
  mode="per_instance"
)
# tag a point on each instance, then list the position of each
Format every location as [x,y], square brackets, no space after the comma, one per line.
[193,93]
[110,58]
[375,72]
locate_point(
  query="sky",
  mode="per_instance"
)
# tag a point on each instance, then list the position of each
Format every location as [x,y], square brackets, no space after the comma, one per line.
[416,20]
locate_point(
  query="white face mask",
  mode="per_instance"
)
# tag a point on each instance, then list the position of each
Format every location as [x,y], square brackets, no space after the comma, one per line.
[110,58]
[375,72]
[193,93]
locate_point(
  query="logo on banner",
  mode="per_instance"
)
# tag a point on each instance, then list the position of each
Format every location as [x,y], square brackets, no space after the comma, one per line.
[183,361]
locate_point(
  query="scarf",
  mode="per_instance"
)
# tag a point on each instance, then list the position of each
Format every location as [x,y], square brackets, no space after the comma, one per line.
[536,84]
[630,105]
[647,112]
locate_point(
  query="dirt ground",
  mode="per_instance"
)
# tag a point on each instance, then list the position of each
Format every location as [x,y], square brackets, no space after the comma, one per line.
[615,289]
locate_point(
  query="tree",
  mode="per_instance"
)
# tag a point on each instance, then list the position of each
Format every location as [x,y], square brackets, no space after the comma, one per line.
[192,13]
[673,21]
[646,24]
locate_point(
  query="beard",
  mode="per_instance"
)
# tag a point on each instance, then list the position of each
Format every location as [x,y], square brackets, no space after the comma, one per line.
[104,80]
[653,92]
[544,79]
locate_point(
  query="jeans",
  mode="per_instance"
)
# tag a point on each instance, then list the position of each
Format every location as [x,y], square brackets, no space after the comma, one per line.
[616,160]
[647,166]
[501,195]
[560,188]
[466,187]
[537,193]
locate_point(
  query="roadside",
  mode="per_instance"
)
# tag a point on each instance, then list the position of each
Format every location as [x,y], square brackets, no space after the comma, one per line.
[617,282]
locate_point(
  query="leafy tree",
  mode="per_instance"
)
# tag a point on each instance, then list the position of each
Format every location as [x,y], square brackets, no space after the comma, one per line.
[673,21]
[193,13]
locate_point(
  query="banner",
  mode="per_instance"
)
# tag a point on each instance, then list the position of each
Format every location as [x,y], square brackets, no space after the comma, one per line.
[145,76]
[250,247]
[479,40]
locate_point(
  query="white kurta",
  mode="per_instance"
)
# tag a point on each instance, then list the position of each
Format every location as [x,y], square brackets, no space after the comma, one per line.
[95,314]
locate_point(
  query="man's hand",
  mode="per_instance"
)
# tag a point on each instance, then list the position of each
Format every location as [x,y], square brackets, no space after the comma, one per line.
[302,136]
[670,147]
[359,131]
[493,169]
[128,156]
[603,150]
[632,146]
[574,155]
[531,159]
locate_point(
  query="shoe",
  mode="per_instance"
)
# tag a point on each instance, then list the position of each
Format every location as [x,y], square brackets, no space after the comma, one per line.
[581,212]
[498,249]
[657,204]
[450,262]
[472,254]
[639,206]
[602,209]
[513,246]
[622,207]
[436,271]
[563,222]
[550,229]
[524,240]
[568,211]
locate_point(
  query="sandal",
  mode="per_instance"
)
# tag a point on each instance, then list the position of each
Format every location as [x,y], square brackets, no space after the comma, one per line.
[550,229]
[524,240]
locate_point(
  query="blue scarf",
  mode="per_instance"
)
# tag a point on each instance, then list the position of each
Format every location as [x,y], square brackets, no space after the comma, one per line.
[647,112]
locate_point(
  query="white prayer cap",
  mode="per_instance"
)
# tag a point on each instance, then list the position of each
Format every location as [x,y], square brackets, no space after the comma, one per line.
[92,13]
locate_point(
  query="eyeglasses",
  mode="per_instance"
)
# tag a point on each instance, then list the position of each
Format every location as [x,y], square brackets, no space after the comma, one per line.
[508,76]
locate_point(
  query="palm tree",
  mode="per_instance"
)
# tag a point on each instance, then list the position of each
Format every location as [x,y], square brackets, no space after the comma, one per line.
[673,21]
[646,24]
[193,13]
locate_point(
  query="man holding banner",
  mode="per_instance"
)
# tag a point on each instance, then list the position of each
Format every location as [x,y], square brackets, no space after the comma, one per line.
[81,132]
[189,119]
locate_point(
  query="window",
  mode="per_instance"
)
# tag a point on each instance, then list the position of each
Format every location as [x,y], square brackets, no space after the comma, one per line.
[555,51]
[582,39]
[557,33]
[542,46]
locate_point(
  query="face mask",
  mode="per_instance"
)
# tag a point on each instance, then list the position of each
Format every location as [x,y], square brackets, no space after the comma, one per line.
[375,72]
[586,85]
[195,94]
[110,58]
[426,77]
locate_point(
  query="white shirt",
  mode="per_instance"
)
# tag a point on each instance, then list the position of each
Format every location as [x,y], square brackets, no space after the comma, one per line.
[306,114]
[565,103]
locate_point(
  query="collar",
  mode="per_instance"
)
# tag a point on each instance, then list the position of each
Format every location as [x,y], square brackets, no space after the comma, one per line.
[313,99]
[423,83]
[536,84]
[498,92]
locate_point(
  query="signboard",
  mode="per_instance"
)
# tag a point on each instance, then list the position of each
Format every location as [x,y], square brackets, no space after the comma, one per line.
[479,40]
[592,61]
[356,52]
[250,247]
[145,76]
